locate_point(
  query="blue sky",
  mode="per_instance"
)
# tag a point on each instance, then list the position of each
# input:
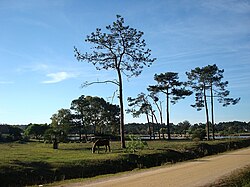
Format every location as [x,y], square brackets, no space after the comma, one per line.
[40,75]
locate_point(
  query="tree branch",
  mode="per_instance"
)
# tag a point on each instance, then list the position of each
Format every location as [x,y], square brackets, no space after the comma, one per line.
[86,84]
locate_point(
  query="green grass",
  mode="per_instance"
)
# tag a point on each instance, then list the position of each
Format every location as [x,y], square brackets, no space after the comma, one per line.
[71,152]
[38,152]
[238,178]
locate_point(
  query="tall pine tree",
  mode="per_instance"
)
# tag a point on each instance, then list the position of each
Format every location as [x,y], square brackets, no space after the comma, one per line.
[207,82]
[121,49]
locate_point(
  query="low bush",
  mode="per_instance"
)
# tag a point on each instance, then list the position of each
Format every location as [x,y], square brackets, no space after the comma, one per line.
[199,134]
[135,144]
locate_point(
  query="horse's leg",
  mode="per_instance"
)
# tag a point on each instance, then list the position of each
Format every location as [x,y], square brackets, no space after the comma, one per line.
[106,148]
[109,147]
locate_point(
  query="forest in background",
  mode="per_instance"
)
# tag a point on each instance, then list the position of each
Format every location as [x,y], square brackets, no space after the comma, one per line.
[185,130]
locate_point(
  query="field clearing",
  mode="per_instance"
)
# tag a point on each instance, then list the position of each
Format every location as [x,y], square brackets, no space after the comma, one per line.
[72,152]
[40,152]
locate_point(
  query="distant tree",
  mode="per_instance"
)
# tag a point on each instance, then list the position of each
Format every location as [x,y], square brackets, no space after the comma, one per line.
[4,129]
[61,123]
[158,104]
[174,90]
[183,127]
[15,132]
[80,107]
[9,133]
[234,126]
[102,115]
[199,133]
[209,78]
[96,112]
[141,105]
[112,118]
[196,126]
[36,130]
[121,50]
[136,128]
[155,98]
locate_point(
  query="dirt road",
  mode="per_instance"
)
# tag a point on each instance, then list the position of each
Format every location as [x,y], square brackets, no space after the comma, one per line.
[194,173]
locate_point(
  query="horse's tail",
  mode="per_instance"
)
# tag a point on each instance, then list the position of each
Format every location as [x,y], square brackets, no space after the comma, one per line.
[94,147]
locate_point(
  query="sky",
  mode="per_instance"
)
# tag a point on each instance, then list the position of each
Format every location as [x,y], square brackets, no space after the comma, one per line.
[39,73]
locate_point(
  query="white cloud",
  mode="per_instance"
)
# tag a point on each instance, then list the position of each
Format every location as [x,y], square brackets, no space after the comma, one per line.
[58,77]
[6,82]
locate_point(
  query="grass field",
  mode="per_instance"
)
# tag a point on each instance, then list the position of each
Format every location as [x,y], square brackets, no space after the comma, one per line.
[68,152]
[34,151]
[39,162]
[71,152]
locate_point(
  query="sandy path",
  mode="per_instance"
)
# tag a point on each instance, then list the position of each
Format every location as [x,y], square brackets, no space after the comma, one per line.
[194,173]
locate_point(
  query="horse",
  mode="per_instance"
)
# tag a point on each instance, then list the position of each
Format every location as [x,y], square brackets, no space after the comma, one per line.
[101,142]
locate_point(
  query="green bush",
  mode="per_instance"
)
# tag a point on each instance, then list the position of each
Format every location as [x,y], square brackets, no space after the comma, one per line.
[135,144]
[199,133]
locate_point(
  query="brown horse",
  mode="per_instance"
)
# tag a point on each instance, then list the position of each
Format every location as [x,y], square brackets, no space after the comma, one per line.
[99,143]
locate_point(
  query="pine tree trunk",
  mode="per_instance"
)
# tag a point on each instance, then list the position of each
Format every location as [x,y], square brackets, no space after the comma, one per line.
[154,118]
[153,127]
[158,129]
[80,134]
[122,110]
[206,109]
[168,125]
[160,113]
[212,110]
[149,127]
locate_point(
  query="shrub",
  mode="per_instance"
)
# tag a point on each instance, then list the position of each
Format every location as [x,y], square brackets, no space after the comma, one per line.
[135,144]
[199,133]
[196,139]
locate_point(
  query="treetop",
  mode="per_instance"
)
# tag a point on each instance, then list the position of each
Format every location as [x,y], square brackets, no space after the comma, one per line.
[121,48]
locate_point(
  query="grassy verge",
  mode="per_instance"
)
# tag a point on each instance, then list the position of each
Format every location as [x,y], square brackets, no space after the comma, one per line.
[238,178]
[37,163]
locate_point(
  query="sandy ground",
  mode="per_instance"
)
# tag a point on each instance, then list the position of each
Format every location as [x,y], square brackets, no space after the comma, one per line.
[198,172]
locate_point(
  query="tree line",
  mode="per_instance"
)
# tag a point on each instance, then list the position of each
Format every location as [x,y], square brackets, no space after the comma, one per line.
[10,133]
[87,115]
[185,129]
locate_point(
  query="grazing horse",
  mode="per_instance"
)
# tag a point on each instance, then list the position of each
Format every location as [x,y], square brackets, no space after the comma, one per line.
[99,143]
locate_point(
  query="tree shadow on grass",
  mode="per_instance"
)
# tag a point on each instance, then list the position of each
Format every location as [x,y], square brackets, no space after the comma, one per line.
[35,165]
[25,173]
